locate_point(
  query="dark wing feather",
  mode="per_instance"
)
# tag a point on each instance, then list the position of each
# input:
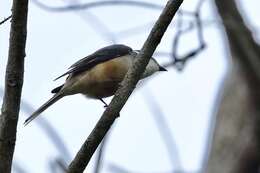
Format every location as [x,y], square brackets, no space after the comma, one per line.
[101,55]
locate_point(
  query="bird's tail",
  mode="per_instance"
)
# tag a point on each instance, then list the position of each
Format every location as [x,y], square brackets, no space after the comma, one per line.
[55,98]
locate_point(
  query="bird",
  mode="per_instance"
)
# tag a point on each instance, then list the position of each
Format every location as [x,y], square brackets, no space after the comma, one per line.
[97,75]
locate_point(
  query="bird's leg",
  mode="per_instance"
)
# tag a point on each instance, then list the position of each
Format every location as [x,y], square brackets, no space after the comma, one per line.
[106,105]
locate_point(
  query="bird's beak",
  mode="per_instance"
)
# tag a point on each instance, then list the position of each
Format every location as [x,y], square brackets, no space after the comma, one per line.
[162,69]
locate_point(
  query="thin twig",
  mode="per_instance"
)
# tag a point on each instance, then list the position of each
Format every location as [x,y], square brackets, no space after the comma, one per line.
[101,3]
[127,86]
[6,19]
[180,61]
[118,169]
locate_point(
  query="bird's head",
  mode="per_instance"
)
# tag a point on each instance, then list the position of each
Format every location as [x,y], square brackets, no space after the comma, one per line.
[152,67]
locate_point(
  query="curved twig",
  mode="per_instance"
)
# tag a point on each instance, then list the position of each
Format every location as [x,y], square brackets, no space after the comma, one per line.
[96,4]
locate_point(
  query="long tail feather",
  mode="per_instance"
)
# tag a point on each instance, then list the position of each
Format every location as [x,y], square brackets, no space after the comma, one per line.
[54,99]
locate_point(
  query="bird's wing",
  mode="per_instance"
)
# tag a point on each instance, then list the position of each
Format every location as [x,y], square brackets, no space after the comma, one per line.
[101,55]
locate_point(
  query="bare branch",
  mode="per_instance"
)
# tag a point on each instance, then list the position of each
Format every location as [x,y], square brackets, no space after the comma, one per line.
[118,169]
[236,140]
[96,4]
[13,84]
[88,5]
[127,86]
[180,61]
[6,19]
[240,37]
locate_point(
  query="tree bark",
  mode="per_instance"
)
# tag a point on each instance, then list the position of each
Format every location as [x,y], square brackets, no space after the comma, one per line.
[13,84]
[235,147]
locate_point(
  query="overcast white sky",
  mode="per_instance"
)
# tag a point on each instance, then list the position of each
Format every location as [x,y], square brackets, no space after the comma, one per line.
[56,40]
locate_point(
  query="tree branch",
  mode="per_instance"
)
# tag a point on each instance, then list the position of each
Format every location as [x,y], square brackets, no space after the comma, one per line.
[6,19]
[180,61]
[236,140]
[118,169]
[13,84]
[127,86]
[242,44]
[96,4]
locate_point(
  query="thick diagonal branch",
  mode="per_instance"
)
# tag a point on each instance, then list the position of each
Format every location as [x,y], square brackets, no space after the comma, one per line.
[241,42]
[13,84]
[127,86]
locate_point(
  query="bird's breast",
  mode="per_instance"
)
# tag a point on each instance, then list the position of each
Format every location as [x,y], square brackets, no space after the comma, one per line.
[103,79]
